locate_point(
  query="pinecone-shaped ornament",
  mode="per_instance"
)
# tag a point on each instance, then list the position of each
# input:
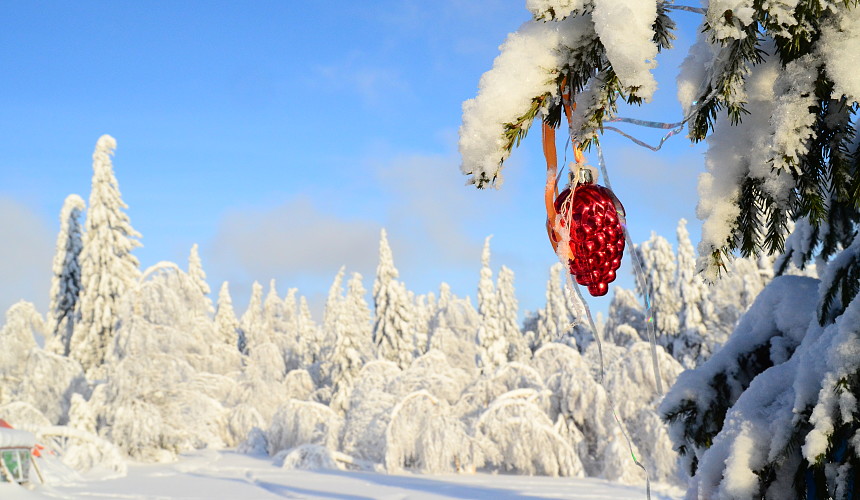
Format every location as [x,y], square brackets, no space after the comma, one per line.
[590,223]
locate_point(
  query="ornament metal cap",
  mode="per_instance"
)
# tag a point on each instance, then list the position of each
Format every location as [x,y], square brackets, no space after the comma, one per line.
[581,173]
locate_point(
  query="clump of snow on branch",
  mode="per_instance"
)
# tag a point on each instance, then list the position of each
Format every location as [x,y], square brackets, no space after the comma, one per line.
[728,162]
[730,26]
[520,74]
[625,29]
[554,9]
[693,73]
[779,147]
[840,42]
[833,403]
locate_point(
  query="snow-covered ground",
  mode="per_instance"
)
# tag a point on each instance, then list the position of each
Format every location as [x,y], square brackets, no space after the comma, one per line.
[209,474]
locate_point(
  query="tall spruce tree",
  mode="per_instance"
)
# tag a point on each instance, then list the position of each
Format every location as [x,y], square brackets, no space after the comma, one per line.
[659,267]
[772,88]
[292,343]
[518,348]
[333,316]
[353,342]
[555,320]
[310,332]
[333,301]
[275,316]
[425,310]
[494,346]
[693,345]
[392,331]
[66,281]
[108,268]
[226,325]
[195,270]
[252,321]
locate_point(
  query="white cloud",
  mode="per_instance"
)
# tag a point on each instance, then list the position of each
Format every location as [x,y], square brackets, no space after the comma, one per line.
[421,199]
[294,240]
[430,207]
[25,256]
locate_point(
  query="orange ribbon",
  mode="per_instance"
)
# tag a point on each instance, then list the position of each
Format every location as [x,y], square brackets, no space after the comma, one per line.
[549,152]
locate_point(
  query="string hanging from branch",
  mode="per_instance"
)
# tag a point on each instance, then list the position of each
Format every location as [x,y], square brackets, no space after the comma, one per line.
[676,128]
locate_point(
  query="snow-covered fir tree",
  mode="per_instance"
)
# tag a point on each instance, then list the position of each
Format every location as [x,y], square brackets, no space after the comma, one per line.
[392,331]
[518,348]
[494,346]
[252,321]
[625,322]
[358,313]
[772,88]
[692,345]
[333,302]
[292,343]
[17,340]
[422,326]
[226,325]
[332,314]
[554,323]
[108,268]
[353,345]
[453,330]
[66,280]
[276,319]
[311,333]
[659,268]
[195,270]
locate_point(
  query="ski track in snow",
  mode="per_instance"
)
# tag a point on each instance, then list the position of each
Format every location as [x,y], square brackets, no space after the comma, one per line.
[208,474]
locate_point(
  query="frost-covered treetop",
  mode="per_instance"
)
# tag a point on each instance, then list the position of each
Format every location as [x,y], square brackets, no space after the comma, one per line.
[66,282]
[108,267]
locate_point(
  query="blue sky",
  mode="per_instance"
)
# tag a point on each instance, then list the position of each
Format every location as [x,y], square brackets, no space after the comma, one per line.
[281,136]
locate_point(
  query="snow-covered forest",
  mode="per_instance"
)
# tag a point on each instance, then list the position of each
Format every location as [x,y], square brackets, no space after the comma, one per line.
[151,363]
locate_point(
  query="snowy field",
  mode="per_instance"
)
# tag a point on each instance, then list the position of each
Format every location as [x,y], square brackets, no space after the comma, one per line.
[210,474]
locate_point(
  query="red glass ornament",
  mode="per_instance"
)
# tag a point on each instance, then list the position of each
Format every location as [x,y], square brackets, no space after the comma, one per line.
[595,234]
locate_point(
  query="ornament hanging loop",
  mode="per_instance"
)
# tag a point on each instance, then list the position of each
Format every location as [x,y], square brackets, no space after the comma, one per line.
[582,173]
